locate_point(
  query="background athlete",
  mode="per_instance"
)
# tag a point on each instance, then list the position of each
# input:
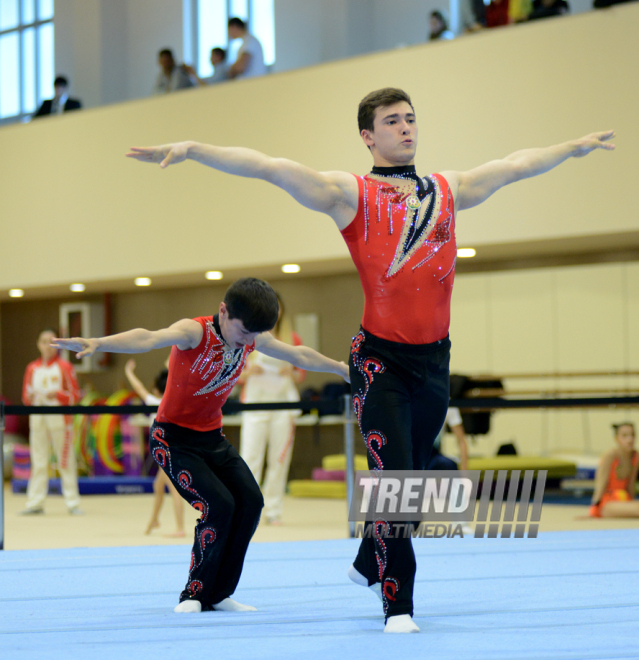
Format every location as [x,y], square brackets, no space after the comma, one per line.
[399,228]
[207,356]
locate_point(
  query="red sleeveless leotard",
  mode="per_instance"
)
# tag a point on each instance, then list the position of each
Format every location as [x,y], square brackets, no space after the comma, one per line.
[200,380]
[402,241]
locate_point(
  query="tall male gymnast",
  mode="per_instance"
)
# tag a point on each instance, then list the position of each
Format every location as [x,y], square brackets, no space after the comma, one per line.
[400,230]
[207,356]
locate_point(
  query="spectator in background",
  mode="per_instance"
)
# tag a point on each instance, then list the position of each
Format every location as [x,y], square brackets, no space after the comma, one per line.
[472,15]
[548,8]
[220,69]
[161,480]
[497,13]
[172,76]
[60,102]
[250,57]
[616,477]
[269,434]
[439,27]
[51,381]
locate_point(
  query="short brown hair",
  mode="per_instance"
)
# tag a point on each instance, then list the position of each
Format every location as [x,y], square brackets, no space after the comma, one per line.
[254,302]
[380,98]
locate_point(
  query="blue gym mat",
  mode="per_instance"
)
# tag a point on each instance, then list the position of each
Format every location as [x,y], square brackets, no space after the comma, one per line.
[564,595]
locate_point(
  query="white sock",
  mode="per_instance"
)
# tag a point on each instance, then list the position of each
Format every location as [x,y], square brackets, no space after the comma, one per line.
[189,606]
[358,578]
[230,605]
[402,623]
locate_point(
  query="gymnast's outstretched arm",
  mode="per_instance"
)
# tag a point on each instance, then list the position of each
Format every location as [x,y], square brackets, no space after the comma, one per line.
[302,357]
[184,334]
[333,193]
[475,186]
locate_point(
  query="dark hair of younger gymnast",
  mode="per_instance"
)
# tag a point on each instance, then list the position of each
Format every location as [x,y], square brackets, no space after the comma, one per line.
[254,302]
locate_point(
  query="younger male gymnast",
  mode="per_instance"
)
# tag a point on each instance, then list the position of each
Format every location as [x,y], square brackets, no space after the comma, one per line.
[207,357]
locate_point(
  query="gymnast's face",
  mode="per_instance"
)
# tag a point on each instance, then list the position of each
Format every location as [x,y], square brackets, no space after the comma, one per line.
[393,140]
[626,437]
[233,331]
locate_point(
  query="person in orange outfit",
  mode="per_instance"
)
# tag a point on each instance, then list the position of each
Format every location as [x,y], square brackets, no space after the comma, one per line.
[614,495]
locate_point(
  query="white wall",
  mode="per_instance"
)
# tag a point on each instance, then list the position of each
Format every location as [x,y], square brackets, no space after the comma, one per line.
[570,319]
[69,178]
[108,48]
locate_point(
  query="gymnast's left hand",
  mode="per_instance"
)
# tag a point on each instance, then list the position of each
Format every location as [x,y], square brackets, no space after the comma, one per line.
[79,345]
[166,154]
[588,143]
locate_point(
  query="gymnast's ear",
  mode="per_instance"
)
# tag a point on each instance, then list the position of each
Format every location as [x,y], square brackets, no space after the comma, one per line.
[367,136]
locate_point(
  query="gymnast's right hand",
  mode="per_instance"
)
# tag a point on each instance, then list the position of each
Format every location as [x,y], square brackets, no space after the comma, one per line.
[79,345]
[166,154]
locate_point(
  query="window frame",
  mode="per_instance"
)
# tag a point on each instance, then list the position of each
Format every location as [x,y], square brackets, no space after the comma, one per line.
[20,29]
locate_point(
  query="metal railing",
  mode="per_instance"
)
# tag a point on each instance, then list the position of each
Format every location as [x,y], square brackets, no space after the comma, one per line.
[340,407]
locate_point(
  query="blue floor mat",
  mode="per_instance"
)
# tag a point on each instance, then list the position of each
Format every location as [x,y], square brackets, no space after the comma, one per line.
[564,595]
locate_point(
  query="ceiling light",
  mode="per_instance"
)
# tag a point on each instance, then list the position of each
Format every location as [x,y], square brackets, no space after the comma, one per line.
[77,287]
[16,293]
[142,281]
[290,268]
[466,252]
[214,275]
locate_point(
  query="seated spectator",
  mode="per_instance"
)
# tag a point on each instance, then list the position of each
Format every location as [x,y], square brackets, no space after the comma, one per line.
[472,15]
[614,495]
[220,69]
[172,76]
[548,8]
[250,57]
[497,13]
[60,102]
[439,27]
[519,10]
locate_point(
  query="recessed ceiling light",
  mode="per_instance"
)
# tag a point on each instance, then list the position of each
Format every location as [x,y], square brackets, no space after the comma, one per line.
[214,275]
[290,268]
[77,287]
[142,281]
[16,293]
[466,252]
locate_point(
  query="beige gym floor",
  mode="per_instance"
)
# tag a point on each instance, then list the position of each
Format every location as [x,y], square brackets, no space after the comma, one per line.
[120,520]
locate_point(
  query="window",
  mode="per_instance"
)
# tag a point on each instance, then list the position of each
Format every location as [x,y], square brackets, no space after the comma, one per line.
[26,57]
[209,20]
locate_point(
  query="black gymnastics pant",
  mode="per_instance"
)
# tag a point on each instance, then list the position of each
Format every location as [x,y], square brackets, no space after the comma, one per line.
[212,477]
[400,397]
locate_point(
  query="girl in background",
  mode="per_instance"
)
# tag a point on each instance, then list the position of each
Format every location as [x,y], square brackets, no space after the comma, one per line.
[161,480]
[614,495]
[270,433]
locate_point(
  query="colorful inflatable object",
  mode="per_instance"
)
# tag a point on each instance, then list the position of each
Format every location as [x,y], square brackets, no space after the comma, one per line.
[84,433]
[116,441]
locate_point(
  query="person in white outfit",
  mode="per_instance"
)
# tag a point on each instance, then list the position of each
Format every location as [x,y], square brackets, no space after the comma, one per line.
[51,381]
[249,62]
[270,433]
